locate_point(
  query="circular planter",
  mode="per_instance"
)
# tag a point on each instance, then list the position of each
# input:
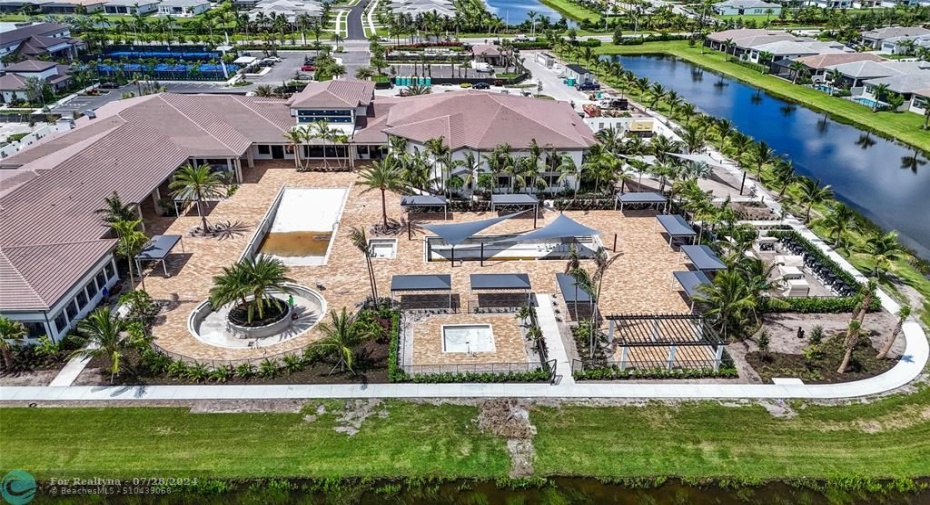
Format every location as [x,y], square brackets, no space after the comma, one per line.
[249,332]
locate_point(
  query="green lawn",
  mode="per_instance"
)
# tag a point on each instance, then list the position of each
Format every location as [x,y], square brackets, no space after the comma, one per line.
[572,10]
[413,441]
[708,440]
[904,126]
[886,439]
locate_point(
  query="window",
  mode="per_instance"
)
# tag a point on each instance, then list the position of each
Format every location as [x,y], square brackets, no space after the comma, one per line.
[61,322]
[108,268]
[91,289]
[328,115]
[81,299]
[34,330]
[264,149]
[503,181]
[101,279]
[72,310]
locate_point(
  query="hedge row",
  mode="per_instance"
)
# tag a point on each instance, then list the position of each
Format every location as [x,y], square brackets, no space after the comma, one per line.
[539,375]
[395,373]
[615,373]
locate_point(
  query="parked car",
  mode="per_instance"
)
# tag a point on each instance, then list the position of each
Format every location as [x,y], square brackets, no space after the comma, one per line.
[274,59]
[307,68]
[109,85]
[587,86]
[482,85]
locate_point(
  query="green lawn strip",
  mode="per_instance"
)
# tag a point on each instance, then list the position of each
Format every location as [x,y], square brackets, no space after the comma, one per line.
[412,441]
[708,440]
[572,10]
[904,126]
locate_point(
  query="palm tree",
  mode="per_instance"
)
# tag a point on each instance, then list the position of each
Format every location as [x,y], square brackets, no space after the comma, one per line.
[196,184]
[441,154]
[852,338]
[296,138]
[340,338]
[103,331]
[249,284]
[784,175]
[903,314]
[724,129]
[360,241]
[741,144]
[729,300]
[10,330]
[797,69]
[130,241]
[384,175]
[115,210]
[264,91]
[762,154]
[883,250]
[693,137]
[839,220]
[812,192]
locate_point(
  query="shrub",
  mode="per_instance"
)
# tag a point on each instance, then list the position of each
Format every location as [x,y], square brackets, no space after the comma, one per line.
[220,374]
[539,375]
[198,372]
[395,372]
[614,372]
[245,370]
[292,363]
[269,368]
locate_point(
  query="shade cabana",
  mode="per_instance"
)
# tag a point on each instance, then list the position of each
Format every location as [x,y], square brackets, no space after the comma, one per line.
[665,340]
[157,249]
[573,294]
[641,197]
[486,285]
[515,201]
[437,283]
[562,227]
[676,227]
[703,258]
[425,203]
[691,283]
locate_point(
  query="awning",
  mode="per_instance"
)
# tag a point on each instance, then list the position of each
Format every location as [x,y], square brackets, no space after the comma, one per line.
[439,282]
[514,199]
[647,197]
[157,249]
[455,234]
[703,257]
[567,286]
[676,226]
[691,282]
[423,201]
[562,227]
[500,282]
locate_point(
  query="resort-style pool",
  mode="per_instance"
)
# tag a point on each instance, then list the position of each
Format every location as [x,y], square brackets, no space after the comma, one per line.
[467,338]
[303,225]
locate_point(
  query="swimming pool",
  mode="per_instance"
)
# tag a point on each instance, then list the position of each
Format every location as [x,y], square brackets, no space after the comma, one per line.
[868,102]
[303,224]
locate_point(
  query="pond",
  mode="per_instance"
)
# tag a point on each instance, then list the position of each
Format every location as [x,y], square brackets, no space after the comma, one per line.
[879,178]
[514,12]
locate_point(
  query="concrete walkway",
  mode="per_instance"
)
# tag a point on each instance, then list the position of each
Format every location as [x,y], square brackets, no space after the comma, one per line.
[69,373]
[550,330]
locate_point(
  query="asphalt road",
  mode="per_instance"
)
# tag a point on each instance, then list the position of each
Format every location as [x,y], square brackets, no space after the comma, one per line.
[354,21]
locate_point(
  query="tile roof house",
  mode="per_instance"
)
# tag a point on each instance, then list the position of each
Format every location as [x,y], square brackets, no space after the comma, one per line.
[13,84]
[874,38]
[40,39]
[746,8]
[183,8]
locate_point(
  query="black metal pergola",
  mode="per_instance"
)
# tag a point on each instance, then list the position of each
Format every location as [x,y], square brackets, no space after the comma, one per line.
[422,284]
[487,285]
[425,203]
[670,331]
[515,202]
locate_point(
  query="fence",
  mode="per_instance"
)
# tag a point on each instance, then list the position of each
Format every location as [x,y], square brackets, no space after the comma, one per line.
[648,365]
[220,363]
[463,368]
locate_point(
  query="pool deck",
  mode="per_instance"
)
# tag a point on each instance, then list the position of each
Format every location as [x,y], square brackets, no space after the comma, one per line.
[639,281]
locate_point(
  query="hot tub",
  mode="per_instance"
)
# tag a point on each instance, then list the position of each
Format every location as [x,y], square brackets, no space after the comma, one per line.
[467,338]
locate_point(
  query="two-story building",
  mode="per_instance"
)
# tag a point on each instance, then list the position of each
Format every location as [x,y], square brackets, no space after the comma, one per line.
[39,40]
[13,82]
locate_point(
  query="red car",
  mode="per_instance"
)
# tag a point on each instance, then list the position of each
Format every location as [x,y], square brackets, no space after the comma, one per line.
[307,68]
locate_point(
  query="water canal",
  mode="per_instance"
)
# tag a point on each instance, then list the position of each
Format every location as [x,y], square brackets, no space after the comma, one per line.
[877,177]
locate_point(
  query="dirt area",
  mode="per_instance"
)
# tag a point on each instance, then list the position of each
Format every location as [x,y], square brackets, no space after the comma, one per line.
[753,211]
[783,330]
[510,419]
[31,378]
[246,407]
[355,413]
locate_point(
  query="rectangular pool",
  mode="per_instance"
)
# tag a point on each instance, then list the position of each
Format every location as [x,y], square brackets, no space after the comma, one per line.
[303,225]
[467,338]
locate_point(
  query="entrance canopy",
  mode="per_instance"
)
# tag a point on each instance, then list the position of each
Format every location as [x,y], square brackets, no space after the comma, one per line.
[570,294]
[703,258]
[158,248]
[439,282]
[647,197]
[500,282]
[562,227]
[691,282]
[455,234]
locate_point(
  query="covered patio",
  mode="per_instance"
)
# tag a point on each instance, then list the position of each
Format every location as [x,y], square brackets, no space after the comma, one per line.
[691,282]
[423,204]
[157,249]
[423,291]
[670,341]
[641,198]
[703,258]
[676,227]
[499,292]
[579,302]
[515,202]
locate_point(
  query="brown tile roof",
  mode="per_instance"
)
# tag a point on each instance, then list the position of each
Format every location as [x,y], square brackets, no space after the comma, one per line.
[485,50]
[131,147]
[481,121]
[30,66]
[825,60]
[40,29]
[342,92]
[12,82]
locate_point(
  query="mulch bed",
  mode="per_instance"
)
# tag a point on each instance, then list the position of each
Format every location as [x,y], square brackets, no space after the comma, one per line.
[822,370]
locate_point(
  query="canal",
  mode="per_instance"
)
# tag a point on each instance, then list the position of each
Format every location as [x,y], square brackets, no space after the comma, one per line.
[885,181]
[514,12]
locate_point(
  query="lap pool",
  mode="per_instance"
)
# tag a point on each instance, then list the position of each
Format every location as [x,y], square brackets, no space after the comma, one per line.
[303,224]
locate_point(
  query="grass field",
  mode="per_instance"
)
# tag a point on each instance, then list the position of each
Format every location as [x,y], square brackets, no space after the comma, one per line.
[413,440]
[572,10]
[904,126]
[886,439]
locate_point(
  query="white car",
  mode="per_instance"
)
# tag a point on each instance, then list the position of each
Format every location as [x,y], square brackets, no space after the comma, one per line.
[273,58]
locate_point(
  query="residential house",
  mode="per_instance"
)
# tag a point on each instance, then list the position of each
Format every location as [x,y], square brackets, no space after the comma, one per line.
[875,38]
[906,85]
[487,53]
[13,83]
[183,8]
[819,66]
[899,45]
[39,40]
[73,6]
[420,7]
[920,102]
[56,258]
[130,7]
[578,73]
[856,73]
[833,4]
[289,9]
[746,8]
